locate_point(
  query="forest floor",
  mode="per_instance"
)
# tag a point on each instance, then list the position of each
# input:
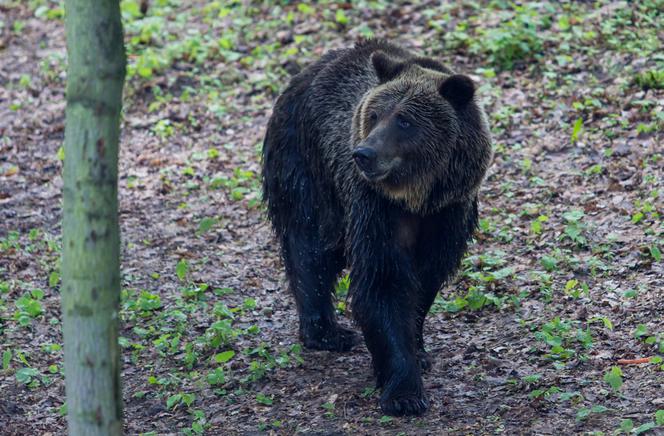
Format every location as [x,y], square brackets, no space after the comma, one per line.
[564,278]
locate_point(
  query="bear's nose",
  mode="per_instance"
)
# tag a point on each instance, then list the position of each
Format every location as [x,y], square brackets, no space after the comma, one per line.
[365,158]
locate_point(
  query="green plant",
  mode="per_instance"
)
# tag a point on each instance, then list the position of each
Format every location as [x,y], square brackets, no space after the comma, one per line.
[329,409]
[517,38]
[651,79]
[181,269]
[164,129]
[574,227]
[536,224]
[6,359]
[185,399]
[28,307]
[264,399]
[585,412]
[574,289]
[560,336]
[143,304]
[614,378]
[28,376]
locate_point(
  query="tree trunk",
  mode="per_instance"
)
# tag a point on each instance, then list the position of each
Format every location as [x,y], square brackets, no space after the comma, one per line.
[90,231]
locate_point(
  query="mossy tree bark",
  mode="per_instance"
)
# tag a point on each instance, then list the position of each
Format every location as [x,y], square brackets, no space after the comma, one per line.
[91,240]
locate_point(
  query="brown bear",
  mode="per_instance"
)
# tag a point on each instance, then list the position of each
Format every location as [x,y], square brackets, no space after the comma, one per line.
[373,159]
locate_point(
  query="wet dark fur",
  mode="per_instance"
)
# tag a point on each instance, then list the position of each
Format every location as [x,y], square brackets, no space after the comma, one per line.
[327,216]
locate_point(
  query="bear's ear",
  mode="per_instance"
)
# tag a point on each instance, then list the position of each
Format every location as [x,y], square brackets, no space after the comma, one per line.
[386,67]
[457,89]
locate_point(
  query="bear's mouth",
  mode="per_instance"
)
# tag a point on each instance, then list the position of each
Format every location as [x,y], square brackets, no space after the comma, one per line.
[372,167]
[381,171]
[374,176]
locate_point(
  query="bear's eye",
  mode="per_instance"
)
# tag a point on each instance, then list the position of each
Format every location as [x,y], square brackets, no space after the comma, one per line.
[373,117]
[403,123]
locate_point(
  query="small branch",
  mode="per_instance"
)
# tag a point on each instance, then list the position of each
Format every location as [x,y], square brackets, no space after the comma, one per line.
[634,361]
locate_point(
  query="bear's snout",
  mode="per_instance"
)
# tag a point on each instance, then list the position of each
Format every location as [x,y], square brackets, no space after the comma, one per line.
[365,158]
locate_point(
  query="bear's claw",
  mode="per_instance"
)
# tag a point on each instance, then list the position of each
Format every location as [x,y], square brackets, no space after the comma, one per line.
[337,339]
[404,405]
[403,394]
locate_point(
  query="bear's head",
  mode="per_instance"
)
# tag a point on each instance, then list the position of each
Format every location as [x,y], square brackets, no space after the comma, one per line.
[419,136]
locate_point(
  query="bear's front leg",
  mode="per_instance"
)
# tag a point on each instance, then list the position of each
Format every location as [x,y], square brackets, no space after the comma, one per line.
[384,290]
[388,323]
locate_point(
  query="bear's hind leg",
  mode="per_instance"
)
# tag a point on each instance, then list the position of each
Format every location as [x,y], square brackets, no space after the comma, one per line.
[312,271]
